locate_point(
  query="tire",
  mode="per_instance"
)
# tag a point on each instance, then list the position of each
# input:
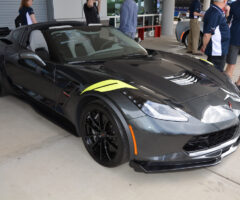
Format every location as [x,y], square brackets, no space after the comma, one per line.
[185,39]
[200,41]
[103,134]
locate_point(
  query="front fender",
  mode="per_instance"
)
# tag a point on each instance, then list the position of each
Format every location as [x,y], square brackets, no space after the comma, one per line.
[121,106]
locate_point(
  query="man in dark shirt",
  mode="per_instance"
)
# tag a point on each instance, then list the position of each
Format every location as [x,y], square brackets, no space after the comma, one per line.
[216,32]
[234,21]
[92,11]
[194,34]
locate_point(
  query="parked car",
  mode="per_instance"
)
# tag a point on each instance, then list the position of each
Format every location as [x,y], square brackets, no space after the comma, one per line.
[182,32]
[158,111]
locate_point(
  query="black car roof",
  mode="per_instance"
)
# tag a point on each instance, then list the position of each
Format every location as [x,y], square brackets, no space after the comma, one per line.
[42,26]
[46,25]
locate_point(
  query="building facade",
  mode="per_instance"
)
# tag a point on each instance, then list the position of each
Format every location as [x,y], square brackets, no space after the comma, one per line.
[47,10]
[73,9]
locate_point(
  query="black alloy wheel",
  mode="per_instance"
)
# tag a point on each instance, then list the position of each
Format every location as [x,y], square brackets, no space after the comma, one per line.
[103,135]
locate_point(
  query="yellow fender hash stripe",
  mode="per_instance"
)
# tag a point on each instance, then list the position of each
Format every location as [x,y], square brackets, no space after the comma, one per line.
[207,61]
[108,85]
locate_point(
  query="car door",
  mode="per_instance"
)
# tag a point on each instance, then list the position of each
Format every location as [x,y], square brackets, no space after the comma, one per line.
[35,79]
[28,71]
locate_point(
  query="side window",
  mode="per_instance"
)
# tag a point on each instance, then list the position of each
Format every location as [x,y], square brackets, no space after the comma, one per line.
[17,35]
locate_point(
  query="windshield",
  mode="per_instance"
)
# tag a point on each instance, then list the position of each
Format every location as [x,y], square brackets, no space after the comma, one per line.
[93,43]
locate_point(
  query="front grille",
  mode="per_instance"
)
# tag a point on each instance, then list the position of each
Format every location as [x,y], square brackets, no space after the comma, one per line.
[211,140]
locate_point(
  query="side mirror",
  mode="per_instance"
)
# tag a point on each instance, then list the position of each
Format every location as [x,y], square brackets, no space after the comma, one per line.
[32,56]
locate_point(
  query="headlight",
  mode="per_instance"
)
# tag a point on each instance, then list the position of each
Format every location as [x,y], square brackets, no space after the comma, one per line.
[163,112]
[157,110]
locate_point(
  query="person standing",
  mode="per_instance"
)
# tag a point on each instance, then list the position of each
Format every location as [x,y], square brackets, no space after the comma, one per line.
[194,34]
[234,49]
[128,18]
[216,32]
[92,10]
[26,13]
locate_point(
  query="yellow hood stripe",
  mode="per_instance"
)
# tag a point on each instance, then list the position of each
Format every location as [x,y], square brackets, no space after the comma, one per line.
[108,85]
[207,61]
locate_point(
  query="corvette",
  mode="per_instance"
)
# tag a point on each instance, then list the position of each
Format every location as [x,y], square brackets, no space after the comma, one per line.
[158,111]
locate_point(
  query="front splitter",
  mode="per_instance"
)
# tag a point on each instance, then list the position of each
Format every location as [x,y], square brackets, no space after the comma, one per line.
[192,163]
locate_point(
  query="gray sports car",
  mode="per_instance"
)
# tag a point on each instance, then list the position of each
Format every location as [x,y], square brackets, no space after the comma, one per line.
[182,32]
[158,111]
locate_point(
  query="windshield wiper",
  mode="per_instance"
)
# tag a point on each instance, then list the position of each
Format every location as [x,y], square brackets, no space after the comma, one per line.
[101,61]
[84,61]
[134,55]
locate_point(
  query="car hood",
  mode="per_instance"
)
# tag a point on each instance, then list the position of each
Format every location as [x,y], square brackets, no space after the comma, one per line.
[179,80]
[176,77]
[190,84]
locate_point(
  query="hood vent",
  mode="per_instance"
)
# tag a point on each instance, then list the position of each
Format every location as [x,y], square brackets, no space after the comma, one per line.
[183,79]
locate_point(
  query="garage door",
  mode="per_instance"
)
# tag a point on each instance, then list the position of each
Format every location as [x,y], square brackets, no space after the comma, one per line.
[9,11]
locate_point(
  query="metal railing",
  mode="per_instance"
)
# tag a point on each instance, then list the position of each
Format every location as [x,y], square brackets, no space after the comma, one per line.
[149,20]
[142,19]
